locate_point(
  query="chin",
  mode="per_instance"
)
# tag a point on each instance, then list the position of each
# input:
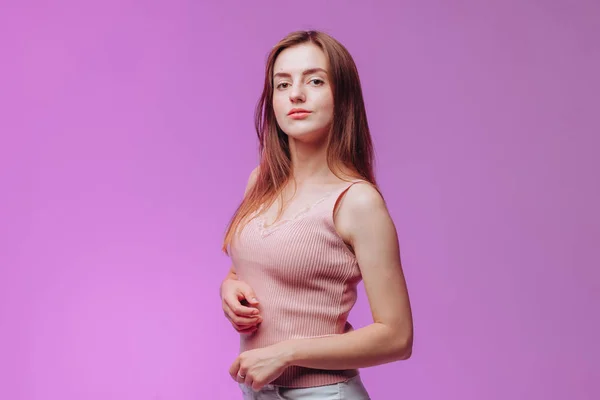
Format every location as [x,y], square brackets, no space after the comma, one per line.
[306,135]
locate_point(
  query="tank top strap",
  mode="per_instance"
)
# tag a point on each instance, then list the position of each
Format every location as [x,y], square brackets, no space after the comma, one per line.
[338,194]
[341,191]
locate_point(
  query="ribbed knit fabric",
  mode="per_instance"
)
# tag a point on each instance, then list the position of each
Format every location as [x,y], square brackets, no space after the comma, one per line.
[305,278]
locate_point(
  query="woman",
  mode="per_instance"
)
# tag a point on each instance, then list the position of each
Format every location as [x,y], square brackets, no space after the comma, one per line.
[313,224]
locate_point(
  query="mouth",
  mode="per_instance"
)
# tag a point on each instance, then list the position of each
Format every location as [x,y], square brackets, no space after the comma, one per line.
[297,113]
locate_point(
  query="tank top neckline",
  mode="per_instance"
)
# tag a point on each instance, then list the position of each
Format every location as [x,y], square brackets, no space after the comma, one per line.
[266,230]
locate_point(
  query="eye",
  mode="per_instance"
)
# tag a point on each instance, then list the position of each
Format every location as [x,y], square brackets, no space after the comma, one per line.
[282,85]
[317,81]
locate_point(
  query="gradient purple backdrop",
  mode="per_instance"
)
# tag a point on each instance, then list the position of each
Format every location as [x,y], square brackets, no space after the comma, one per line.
[127,138]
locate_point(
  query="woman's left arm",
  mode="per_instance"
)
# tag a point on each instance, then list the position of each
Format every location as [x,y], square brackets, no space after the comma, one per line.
[364,222]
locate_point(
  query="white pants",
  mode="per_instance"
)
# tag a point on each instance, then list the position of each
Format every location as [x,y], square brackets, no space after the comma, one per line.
[352,389]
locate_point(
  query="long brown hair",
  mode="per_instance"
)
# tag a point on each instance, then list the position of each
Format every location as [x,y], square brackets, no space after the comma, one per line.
[349,145]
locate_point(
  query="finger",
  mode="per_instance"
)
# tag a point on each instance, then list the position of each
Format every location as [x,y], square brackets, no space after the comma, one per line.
[242,328]
[234,369]
[239,320]
[250,328]
[250,296]
[246,321]
[257,385]
[243,376]
[240,309]
[248,331]
[242,321]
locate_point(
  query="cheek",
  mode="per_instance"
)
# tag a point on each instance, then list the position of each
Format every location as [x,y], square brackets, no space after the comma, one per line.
[325,99]
[326,105]
[278,102]
[279,107]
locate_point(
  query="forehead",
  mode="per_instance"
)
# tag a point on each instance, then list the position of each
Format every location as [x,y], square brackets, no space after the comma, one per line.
[300,57]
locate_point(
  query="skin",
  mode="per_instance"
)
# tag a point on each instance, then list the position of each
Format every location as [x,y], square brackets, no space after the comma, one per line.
[237,297]
[363,222]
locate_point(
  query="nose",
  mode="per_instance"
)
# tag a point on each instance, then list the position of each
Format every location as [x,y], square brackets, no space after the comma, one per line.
[297,94]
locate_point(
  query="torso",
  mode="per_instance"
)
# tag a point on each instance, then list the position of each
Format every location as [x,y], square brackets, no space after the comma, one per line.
[302,271]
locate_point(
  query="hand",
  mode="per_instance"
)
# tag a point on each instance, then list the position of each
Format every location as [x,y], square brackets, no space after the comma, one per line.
[239,305]
[257,368]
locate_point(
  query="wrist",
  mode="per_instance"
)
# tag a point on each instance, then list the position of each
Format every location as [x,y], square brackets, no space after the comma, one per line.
[230,277]
[227,278]
[289,352]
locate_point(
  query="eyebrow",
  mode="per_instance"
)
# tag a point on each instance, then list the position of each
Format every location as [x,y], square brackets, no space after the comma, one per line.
[306,72]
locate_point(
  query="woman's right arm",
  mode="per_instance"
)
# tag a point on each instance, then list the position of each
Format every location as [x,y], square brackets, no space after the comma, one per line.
[230,275]
[251,181]
[238,299]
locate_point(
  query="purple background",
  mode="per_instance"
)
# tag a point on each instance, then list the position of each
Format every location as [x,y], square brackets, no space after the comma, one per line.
[127,138]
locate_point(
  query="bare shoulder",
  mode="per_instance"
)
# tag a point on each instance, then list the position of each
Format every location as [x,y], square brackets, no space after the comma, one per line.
[363,197]
[252,179]
[254,173]
[362,203]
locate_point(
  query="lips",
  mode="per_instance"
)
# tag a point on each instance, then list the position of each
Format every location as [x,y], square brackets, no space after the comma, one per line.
[298,112]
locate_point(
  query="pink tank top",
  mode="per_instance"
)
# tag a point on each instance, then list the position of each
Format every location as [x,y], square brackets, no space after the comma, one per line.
[305,278]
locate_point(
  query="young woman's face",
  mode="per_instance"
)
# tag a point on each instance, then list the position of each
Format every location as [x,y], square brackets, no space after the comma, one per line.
[302,93]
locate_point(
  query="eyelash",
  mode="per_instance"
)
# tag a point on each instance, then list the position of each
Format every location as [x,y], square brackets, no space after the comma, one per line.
[321,82]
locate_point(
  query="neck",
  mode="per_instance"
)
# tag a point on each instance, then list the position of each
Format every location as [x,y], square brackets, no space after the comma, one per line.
[309,161]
